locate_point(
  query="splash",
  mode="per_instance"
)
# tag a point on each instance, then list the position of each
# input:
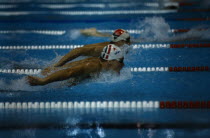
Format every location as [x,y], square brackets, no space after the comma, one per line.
[100,132]
[169,133]
[151,133]
[73,34]
[78,132]
[156,29]
[17,85]
[110,77]
[27,63]
[193,34]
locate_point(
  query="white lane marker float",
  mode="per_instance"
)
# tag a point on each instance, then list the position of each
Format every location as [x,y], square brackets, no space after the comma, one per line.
[61,32]
[132,69]
[109,5]
[81,105]
[75,13]
[46,32]
[134,46]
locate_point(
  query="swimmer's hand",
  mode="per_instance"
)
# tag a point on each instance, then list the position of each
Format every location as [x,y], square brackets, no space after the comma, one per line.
[89,32]
[93,32]
[47,70]
[33,81]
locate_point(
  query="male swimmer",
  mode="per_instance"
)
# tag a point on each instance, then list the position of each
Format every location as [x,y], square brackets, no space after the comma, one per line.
[119,37]
[110,58]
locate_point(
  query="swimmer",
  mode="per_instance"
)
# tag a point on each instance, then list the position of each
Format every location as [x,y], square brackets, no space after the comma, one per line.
[120,38]
[111,59]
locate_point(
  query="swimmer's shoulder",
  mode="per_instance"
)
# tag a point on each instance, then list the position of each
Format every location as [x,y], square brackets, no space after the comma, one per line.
[97,44]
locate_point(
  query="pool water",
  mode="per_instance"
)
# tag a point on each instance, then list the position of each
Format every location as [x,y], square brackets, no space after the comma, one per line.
[35,34]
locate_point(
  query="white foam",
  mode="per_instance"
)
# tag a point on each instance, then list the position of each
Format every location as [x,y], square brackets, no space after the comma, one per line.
[156,29]
[193,34]
[109,77]
[73,34]
[169,133]
[17,85]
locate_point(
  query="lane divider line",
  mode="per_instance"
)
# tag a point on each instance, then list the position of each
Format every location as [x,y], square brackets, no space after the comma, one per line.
[109,5]
[107,105]
[139,31]
[42,47]
[3,6]
[48,32]
[171,69]
[39,1]
[134,46]
[80,104]
[61,32]
[132,69]
[75,13]
[120,12]
[193,19]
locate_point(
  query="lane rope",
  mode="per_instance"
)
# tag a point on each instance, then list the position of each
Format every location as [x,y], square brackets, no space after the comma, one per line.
[134,46]
[132,69]
[112,5]
[48,32]
[80,104]
[136,31]
[3,6]
[115,12]
[61,32]
[75,13]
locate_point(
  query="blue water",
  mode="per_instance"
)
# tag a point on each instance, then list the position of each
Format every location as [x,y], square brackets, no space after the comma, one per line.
[130,86]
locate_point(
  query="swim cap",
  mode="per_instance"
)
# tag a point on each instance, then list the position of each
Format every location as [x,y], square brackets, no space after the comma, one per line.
[111,52]
[120,34]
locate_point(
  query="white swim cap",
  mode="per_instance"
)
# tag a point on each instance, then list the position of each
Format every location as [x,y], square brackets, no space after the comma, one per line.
[119,35]
[112,52]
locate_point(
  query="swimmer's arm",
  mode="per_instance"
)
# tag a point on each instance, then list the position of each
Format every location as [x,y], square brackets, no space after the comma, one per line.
[117,67]
[94,32]
[86,50]
[70,56]
[99,34]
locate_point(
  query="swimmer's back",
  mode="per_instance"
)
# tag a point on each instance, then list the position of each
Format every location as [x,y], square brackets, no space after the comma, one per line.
[94,49]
